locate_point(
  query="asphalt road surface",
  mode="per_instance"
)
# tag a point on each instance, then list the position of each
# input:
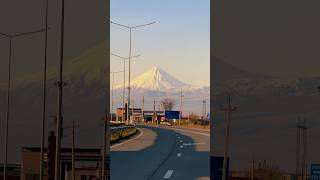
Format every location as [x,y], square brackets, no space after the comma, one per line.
[162,153]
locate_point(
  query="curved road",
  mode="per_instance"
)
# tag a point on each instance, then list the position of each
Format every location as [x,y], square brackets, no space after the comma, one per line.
[162,153]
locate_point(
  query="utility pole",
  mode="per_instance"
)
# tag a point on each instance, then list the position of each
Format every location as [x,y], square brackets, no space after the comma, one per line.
[252,169]
[301,151]
[132,116]
[180,115]
[44,90]
[130,51]
[154,111]
[10,37]
[73,159]
[228,109]
[60,84]
[142,109]
[305,152]
[204,109]
[298,160]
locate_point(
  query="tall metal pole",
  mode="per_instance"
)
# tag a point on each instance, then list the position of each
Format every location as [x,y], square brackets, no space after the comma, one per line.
[106,128]
[252,169]
[298,153]
[142,109]
[130,50]
[124,89]
[10,37]
[129,81]
[124,78]
[304,156]
[154,111]
[60,85]
[180,115]
[7,114]
[227,109]
[73,149]
[112,101]
[44,95]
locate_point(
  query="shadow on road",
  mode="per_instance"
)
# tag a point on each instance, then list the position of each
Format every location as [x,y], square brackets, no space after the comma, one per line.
[155,161]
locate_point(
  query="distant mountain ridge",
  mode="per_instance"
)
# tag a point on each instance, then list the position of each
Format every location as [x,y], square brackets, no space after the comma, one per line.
[156,79]
[88,70]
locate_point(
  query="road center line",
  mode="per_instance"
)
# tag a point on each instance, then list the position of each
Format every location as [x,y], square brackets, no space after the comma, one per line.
[168,174]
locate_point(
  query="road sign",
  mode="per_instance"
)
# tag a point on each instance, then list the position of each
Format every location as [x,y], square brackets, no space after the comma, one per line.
[315,171]
[217,167]
[172,114]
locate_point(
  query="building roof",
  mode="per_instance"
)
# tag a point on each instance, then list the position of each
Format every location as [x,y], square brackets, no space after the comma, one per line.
[64,150]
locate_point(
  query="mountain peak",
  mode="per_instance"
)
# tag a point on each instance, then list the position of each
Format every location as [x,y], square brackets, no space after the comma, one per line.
[157,79]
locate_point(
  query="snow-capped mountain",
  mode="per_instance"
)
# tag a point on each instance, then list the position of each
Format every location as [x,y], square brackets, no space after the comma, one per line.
[156,79]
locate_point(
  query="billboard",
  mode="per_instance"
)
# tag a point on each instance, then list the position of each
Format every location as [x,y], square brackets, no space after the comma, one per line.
[172,114]
[315,172]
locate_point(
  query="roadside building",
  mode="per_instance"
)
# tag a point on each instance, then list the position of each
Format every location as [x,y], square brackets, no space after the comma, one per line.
[13,172]
[87,161]
[138,115]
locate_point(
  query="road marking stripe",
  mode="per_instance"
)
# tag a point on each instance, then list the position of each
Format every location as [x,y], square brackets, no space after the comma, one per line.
[181,141]
[181,146]
[120,144]
[168,174]
[179,154]
[192,144]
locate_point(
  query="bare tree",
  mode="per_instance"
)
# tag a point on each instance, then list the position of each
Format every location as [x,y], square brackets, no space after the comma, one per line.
[168,103]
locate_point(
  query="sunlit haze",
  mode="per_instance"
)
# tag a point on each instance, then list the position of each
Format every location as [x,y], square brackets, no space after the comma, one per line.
[178,42]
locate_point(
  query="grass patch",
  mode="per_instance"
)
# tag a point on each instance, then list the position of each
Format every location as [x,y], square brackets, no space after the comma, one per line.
[116,136]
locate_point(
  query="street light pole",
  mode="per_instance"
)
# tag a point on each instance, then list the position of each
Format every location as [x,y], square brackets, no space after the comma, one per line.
[60,84]
[44,93]
[8,114]
[130,50]
[11,37]
[124,78]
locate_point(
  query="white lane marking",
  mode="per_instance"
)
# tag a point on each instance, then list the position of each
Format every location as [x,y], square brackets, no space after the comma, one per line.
[192,144]
[204,134]
[181,141]
[181,146]
[168,174]
[120,144]
[179,154]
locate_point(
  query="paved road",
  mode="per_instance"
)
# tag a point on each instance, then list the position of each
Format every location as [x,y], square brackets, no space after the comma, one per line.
[162,153]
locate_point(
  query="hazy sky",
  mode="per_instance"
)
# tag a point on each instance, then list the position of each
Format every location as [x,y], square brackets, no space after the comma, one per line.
[179,41]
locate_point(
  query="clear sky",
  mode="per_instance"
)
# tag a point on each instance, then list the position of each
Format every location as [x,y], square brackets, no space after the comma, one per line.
[179,41]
